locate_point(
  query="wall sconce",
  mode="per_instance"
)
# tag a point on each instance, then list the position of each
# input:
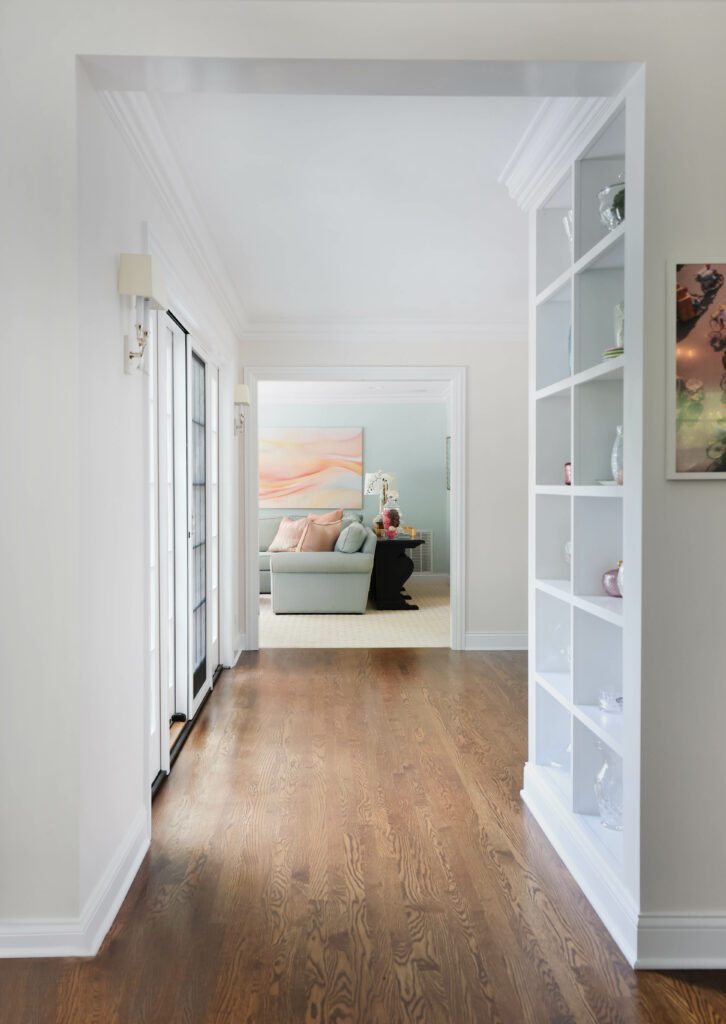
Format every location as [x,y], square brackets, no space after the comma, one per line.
[140,277]
[241,402]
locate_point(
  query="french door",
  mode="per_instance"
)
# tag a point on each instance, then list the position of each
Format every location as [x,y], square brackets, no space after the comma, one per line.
[183,552]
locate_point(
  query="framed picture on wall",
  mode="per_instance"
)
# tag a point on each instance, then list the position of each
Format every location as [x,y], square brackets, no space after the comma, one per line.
[697,371]
[311,467]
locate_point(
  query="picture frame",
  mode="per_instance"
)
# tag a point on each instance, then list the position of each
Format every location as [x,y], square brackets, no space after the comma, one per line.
[310,467]
[696,377]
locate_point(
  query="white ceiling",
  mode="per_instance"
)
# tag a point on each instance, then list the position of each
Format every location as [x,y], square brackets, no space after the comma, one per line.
[358,209]
[337,392]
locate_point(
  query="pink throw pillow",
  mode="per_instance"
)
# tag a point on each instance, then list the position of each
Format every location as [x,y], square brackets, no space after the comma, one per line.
[289,534]
[328,517]
[320,536]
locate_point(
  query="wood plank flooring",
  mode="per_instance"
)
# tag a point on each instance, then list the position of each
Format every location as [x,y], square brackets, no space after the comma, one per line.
[342,841]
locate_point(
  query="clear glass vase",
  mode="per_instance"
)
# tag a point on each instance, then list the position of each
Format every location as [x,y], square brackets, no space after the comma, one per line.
[616,456]
[609,789]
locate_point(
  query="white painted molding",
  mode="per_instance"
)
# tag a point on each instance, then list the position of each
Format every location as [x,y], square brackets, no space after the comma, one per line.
[552,140]
[602,888]
[496,642]
[82,936]
[681,941]
[456,376]
[143,131]
[397,333]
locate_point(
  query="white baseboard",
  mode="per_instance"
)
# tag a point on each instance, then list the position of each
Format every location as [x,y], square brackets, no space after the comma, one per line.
[82,936]
[681,941]
[495,642]
[599,883]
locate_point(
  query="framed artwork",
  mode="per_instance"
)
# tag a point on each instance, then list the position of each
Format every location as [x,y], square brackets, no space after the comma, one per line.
[311,467]
[697,371]
[448,463]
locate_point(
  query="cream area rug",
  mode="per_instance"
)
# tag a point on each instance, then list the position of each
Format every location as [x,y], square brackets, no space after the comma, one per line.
[428,627]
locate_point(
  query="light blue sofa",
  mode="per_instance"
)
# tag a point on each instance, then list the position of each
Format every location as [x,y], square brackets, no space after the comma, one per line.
[268,527]
[311,582]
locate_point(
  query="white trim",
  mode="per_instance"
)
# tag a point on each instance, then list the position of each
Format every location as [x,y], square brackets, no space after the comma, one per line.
[82,936]
[142,128]
[395,332]
[554,138]
[391,398]
[241,646]
[681,941]
[495,642]
[671,327]
[456,376]
[600,885]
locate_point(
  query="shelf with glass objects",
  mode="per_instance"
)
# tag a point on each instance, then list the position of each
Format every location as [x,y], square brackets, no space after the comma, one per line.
[578,609]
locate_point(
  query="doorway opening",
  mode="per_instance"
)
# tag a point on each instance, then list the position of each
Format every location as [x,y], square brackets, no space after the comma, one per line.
[367,464]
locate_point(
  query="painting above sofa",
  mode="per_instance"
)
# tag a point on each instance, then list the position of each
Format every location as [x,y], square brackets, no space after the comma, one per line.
[311,467]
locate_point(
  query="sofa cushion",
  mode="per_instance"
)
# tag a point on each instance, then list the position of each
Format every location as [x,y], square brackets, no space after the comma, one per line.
[320,562]
[319,536]
[327,517]
[267,528]
[264,561]
[351,539]
[289,534]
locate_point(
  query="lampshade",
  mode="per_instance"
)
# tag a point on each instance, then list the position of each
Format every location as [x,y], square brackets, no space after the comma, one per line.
[241,394]
[140,276]
[372,483]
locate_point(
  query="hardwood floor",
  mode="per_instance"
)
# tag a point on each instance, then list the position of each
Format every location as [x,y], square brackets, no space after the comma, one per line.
[342,840]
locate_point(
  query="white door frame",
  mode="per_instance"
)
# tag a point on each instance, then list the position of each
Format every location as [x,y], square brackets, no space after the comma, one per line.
[455,376]
[194,346]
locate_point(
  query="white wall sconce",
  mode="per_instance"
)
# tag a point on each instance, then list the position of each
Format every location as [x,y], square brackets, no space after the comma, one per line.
[241,402]
[141,278]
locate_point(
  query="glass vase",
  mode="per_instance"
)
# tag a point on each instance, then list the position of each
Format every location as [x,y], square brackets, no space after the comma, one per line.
[616,456]
[609,789]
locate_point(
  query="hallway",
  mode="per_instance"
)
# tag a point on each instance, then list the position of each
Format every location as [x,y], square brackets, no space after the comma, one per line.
[342,839]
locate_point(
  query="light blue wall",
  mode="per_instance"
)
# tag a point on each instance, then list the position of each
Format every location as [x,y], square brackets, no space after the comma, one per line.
[408,440]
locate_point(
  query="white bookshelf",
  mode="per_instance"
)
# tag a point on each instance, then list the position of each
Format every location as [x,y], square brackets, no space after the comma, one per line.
[582,640]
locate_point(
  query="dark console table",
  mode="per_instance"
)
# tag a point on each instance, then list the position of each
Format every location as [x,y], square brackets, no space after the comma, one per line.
[391,569]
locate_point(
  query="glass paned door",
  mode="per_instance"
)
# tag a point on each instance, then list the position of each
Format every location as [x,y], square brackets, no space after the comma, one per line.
[198,396]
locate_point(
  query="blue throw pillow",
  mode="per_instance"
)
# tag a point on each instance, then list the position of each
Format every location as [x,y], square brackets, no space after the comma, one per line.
[351,539]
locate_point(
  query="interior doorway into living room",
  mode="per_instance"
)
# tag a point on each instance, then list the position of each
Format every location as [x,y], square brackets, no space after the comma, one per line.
[354,512]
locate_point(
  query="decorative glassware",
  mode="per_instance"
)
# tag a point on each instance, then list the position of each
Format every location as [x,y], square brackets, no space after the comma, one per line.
[610,701]
[612,204]
[619,319]
[391,517]
[609,789]
[567,474]
[568,552]
[620,578]
[568,223]
[562,760]
[610,583]
[616,456]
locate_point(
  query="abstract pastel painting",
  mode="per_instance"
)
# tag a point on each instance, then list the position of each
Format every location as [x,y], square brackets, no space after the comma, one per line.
[311,467]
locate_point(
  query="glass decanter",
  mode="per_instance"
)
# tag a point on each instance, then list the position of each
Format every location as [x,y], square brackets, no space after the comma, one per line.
[609,789]
[616,456]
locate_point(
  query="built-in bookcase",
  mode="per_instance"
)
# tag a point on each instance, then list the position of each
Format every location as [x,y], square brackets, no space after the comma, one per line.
[578,634]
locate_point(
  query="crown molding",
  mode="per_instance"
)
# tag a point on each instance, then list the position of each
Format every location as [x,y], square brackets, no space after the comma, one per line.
[398,333]
[557,133]
[142,129]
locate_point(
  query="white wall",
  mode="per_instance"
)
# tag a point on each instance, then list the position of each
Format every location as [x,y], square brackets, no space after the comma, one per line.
[496,512]
[115,205]
[684,697]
